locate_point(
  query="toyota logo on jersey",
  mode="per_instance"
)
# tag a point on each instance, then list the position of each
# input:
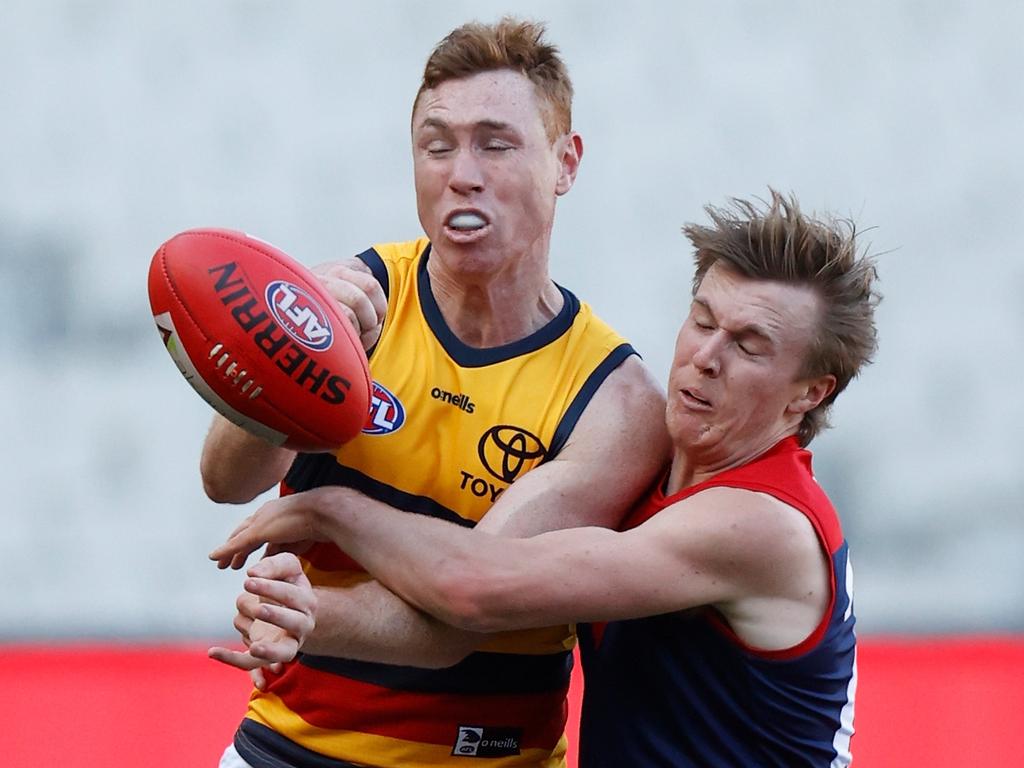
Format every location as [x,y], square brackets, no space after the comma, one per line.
[387,414]
[504,450]
[300,315]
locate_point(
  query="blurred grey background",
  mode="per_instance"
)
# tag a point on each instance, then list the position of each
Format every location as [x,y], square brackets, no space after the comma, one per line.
[123,123]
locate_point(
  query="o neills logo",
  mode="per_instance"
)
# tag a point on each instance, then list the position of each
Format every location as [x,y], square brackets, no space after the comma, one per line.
[300,315]
[504,450]
[481,741]
[276,340]
[462,402]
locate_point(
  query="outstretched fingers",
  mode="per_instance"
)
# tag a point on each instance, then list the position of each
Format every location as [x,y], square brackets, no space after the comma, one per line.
[239,659]
[281,521]
[242,542]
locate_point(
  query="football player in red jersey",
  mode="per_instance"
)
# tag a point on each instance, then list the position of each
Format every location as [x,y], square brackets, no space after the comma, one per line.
[722,611]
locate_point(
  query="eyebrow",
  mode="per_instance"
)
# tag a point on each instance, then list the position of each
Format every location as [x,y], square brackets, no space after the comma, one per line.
[751,329]
[433,122]
[496,125]
[441,125]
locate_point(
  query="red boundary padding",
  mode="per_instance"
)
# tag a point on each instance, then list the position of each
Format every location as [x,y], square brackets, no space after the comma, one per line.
[86,706]
[942,702]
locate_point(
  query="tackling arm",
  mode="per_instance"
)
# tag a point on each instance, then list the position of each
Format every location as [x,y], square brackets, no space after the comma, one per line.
[618,447]
[754,558]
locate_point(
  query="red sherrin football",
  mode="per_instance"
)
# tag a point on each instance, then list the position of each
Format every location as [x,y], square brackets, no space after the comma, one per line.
[259,338]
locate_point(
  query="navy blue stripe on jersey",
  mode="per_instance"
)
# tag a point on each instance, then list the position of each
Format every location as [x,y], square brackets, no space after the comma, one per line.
[261,747]
[673,690]
[313,470]
[372,259]
[478,673]
[472,357]
[572,414]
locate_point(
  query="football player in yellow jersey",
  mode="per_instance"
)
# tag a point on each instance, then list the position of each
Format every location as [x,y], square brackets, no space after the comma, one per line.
[493,149]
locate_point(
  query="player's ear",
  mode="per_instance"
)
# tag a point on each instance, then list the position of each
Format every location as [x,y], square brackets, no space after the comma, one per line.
[570,155]
[811,393]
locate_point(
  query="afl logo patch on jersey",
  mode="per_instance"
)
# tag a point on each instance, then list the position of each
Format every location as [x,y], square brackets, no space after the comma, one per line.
[504,450]
[387,414]
[300,315]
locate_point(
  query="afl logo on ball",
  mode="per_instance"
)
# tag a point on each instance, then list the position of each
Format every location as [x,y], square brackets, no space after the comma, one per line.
[504,450]
[387,414]
[300,315]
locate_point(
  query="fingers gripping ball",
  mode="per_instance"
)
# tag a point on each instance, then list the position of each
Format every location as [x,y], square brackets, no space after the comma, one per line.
[260,340]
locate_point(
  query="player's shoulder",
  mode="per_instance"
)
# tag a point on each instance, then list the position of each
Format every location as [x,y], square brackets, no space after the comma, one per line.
[394,263]
[633,387]
[401,251]
[625,417]
[750,520]
[588,322]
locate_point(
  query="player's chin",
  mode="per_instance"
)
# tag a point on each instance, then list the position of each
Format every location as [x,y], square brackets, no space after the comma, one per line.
[687,429]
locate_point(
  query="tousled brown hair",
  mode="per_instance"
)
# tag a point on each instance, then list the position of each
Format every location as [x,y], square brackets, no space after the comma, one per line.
[509,44]
[779,242]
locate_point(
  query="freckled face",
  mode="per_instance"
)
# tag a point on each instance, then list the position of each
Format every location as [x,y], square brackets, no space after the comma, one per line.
[486,173]
[737,360]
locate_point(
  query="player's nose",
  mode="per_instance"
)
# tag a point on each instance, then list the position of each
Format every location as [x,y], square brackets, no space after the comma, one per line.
[466,175]
[707,356]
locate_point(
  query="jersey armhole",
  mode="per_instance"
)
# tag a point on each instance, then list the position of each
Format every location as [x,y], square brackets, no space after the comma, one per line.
[572,414]
[372,259]
[721,624]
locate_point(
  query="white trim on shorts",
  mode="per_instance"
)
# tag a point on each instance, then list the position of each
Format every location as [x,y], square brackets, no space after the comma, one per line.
[231,759]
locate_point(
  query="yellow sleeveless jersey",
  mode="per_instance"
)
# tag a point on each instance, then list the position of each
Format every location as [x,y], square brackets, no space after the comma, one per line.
[450,428]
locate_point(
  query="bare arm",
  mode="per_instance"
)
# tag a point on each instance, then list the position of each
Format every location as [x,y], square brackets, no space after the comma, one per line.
[278,611]
[754,558]
[368,622]
[617,448]
[237,466]
[614,454]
